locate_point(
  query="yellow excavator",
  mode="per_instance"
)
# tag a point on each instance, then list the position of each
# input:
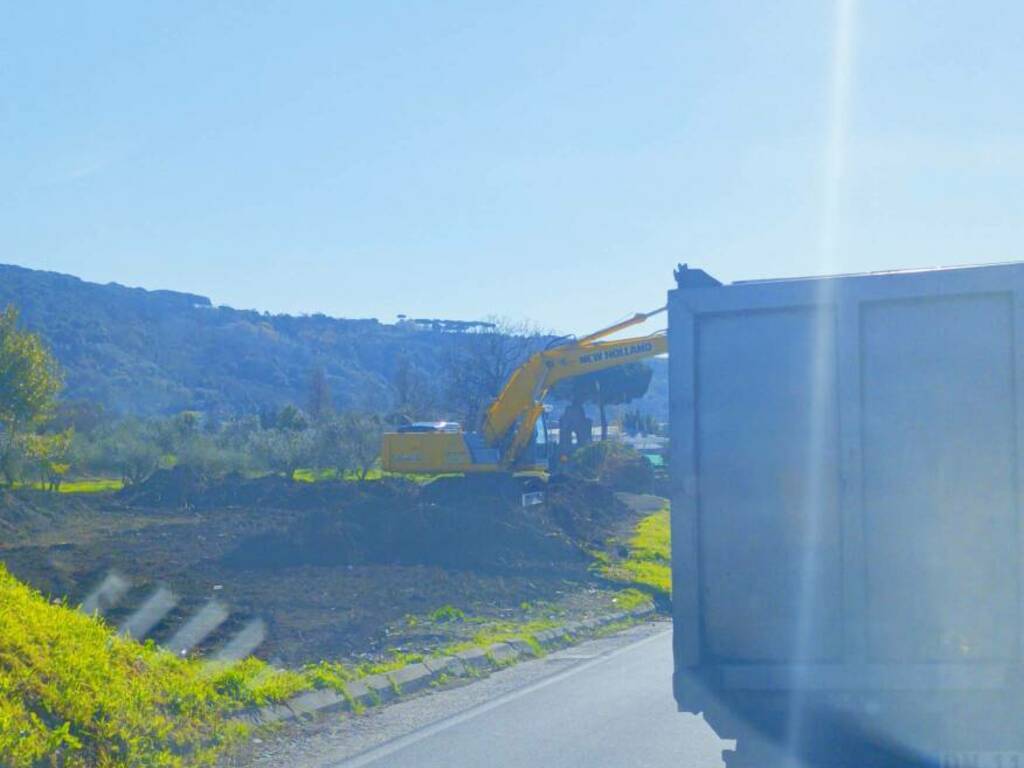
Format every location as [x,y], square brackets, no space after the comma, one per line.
[513,436]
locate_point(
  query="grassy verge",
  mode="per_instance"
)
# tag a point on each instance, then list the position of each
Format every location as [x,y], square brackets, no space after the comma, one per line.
[648,562]
[74,694]
[112,484]
[81,485]
[493,632]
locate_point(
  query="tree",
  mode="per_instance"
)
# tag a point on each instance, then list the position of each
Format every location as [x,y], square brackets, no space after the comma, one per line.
[480,362]
[283,450]
[405,385]
[612,386]
[291,419]
[134,449]
[636,423]
[288,418]
[176,432]
[85,416]
[331,448]
[415,393]
[30,380]
[362,435]
[320,402]
[49,456]
[209,458]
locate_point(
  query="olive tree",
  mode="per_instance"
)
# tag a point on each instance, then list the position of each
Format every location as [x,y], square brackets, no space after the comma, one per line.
[30,380]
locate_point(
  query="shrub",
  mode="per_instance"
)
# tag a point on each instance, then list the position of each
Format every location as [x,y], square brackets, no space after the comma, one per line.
[447,613]
[612,463]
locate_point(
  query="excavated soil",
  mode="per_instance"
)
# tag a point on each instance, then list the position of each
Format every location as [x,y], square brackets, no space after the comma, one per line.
[327,566]
[456,523]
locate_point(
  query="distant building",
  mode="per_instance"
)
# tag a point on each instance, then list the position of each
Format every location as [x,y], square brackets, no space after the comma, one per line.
[443,326]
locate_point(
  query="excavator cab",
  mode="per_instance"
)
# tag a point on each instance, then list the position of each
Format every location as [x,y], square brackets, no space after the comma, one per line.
[536,454]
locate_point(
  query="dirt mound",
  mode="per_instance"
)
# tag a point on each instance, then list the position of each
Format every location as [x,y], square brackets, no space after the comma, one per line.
[181,487]
[25,512]
[359,556]
[587,511]
[475,523]
[613,464]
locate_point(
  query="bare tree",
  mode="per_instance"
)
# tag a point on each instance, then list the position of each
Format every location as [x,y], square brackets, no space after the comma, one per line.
[479,363]
[415,393]
[320,402]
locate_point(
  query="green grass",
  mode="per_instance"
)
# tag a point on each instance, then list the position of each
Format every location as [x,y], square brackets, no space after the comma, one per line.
[81,485]
[447,613]
[74,694]
[630,599]
[648,563]
[314,476]
[112,484]
[492,632]
[351,476]
[320,475]
[92,485]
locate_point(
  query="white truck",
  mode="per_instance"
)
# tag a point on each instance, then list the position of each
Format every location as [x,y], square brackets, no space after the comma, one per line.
[847,535]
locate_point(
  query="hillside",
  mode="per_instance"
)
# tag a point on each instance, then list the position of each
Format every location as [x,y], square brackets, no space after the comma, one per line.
[158,352]
[155,352]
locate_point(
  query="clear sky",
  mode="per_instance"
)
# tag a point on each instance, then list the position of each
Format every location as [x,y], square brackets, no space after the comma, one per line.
[549,160]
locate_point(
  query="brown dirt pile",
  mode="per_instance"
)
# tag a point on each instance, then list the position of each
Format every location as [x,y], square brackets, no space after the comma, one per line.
[475,523]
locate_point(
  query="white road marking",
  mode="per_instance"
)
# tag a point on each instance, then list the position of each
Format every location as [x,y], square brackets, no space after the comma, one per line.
[391,747]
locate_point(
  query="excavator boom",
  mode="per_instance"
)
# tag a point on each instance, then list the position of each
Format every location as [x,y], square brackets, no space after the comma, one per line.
[510,421]
[518,407]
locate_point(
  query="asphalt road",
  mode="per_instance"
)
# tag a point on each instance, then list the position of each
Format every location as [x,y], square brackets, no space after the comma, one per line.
[603,703]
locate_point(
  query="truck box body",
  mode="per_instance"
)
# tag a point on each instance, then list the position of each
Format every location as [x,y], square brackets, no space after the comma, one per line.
[847,538]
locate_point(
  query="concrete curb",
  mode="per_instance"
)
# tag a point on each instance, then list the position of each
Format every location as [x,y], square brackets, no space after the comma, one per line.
[378,689]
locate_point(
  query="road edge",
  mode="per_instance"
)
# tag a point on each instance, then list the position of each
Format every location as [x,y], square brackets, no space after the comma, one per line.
[376,690]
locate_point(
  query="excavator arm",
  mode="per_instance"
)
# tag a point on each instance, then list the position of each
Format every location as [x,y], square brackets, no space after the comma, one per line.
[510,420]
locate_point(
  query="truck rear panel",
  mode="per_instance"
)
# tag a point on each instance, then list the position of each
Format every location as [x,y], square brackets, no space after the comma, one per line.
[846,485]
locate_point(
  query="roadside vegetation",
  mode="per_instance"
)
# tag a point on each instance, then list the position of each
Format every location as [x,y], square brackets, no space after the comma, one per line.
[647,563]
[614,464]
[74,694]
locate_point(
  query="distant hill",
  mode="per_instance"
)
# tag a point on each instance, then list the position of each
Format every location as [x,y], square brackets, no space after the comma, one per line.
[159,352]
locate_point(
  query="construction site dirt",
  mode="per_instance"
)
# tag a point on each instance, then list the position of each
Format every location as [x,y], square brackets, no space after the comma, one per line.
[333,570]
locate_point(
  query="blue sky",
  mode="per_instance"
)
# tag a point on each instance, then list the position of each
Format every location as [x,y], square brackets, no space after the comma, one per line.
[549,161]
